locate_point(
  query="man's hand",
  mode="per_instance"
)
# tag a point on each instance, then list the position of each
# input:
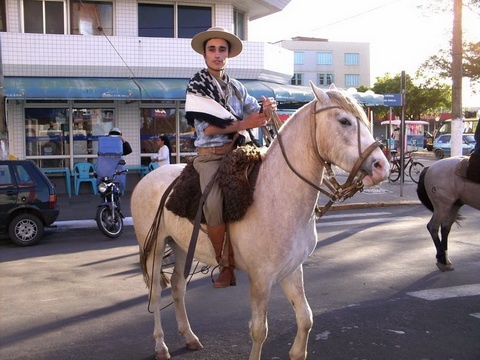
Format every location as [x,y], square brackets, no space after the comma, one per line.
[269,105]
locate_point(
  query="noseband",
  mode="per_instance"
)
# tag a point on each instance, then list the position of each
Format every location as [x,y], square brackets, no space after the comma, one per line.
[335,191]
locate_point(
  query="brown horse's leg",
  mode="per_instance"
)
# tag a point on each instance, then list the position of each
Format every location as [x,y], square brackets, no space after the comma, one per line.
[445,231]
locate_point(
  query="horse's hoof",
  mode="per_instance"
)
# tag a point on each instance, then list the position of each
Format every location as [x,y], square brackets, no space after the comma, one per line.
[445,267]
[164,355]
[195,345]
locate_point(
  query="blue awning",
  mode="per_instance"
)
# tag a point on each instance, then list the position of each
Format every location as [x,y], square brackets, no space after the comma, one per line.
[280,92]
[162,89]
[50,88]
[41,88]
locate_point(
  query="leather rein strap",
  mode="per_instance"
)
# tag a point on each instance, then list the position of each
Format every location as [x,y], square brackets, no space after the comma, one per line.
[335,192]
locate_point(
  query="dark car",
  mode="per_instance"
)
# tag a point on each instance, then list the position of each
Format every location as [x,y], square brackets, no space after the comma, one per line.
[28,201]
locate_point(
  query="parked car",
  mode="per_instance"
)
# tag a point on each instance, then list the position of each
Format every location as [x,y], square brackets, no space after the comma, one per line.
[442,145]
[28,202]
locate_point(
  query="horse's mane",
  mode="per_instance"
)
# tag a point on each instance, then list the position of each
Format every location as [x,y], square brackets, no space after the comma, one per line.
[349,104]
[344,101]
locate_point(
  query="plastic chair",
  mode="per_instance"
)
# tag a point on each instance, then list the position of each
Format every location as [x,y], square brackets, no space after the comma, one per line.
[152,166]
[83,172]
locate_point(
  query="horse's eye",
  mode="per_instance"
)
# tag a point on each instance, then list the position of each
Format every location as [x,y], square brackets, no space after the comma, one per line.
[345,121]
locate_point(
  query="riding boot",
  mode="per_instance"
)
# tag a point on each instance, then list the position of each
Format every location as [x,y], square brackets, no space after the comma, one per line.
[217,237]
[227,275]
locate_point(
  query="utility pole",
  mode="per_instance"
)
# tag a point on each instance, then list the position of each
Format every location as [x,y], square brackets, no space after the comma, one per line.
[457,116]
[3,113]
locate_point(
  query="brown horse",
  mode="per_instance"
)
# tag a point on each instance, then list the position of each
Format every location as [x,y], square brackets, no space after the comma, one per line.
[444,192]
[269,246]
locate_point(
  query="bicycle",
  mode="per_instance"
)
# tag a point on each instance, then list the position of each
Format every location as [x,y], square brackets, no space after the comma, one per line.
[414,171]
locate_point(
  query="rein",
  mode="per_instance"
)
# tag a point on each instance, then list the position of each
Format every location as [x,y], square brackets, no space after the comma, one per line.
[335,192]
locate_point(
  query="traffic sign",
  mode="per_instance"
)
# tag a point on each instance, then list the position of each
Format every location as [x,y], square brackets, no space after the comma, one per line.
[392,99]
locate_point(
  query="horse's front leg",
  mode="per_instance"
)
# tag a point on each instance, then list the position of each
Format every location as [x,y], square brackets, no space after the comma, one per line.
[179,286]
[295,292]
[259,296]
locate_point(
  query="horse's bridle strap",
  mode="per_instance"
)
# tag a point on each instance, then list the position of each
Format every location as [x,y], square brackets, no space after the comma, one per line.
[337,192]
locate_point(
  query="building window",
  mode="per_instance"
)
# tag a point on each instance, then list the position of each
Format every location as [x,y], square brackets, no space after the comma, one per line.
[91,18]
[352,80]
[48,131]
[162,121]
[297,79]
[325,79]
[352,59]
[239,23]
[324,58]
[3,21]
[159,20]
[298,58]
[44,16]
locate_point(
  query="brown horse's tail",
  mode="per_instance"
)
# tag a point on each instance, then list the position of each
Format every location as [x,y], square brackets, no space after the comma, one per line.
[422,192]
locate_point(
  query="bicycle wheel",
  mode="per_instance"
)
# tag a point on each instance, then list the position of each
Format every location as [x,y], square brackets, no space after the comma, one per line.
[416,169]
[394,172]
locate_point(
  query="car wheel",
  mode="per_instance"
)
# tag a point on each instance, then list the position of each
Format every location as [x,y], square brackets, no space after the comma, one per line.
[25,230]
[439,154]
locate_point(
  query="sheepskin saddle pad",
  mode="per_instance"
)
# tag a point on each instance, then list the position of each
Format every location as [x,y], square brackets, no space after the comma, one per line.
[237,176]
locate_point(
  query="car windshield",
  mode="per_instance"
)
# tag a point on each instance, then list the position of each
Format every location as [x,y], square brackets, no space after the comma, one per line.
[469,139]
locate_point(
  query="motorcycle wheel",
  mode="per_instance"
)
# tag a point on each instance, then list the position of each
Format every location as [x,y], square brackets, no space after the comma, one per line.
[110,223]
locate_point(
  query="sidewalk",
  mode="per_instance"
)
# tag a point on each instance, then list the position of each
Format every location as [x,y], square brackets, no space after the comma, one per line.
[84,206]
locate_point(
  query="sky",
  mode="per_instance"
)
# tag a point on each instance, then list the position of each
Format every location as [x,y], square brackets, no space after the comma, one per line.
[401,35]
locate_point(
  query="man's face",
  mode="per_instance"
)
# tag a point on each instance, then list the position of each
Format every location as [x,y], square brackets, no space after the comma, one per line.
[216,54]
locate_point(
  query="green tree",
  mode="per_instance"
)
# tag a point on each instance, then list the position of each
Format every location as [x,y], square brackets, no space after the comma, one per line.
[441,64]
[427,97]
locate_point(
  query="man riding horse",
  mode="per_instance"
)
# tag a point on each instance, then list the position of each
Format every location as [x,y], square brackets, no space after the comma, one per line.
[215,106]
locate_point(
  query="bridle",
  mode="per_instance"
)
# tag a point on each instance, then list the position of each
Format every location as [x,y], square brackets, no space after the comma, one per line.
[335,191]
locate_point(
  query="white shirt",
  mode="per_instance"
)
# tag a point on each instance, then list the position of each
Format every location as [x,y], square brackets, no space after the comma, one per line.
[163,156]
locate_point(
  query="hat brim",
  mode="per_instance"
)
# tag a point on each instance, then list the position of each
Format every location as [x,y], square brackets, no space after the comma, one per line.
[199,40]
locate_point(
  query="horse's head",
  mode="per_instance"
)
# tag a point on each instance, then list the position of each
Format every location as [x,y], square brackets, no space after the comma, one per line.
[343,136]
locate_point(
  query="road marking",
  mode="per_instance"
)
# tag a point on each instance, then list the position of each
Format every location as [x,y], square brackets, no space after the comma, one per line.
[448,292]
[477,315]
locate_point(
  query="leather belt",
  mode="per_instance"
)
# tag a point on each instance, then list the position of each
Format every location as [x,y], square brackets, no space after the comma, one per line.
[217,150]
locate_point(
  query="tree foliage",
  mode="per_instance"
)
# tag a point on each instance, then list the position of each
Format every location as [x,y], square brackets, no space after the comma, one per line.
[419,99]
[441,63]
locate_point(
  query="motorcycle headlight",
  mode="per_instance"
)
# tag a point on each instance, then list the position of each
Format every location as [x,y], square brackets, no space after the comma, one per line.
[102,188]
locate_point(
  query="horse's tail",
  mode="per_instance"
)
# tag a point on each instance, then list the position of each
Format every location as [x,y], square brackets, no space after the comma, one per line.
[422,192]
[150,244]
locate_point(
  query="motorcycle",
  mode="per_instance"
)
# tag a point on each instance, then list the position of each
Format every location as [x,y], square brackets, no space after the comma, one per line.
[109,215]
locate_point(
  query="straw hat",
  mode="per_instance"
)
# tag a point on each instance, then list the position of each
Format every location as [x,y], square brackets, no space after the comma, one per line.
[199,40]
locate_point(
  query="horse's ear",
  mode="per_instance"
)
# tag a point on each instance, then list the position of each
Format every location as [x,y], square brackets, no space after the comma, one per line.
[319,93]
[332,87]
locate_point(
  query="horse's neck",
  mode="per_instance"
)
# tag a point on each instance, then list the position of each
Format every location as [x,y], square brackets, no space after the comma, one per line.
[280,179]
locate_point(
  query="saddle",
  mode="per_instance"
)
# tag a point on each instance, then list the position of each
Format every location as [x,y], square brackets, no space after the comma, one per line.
[469,168]
[473,169]
[237,176]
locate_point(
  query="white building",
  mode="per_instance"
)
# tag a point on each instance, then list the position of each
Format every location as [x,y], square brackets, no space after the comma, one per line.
[346,64]
[73,69]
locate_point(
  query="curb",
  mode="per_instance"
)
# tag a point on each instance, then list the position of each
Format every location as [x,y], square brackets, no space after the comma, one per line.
[374,205]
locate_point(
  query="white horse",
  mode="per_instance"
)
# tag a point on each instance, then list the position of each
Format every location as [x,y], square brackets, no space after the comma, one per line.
[331,129]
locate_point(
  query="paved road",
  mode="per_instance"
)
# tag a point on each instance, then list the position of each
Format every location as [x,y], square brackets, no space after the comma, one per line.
[372,284]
